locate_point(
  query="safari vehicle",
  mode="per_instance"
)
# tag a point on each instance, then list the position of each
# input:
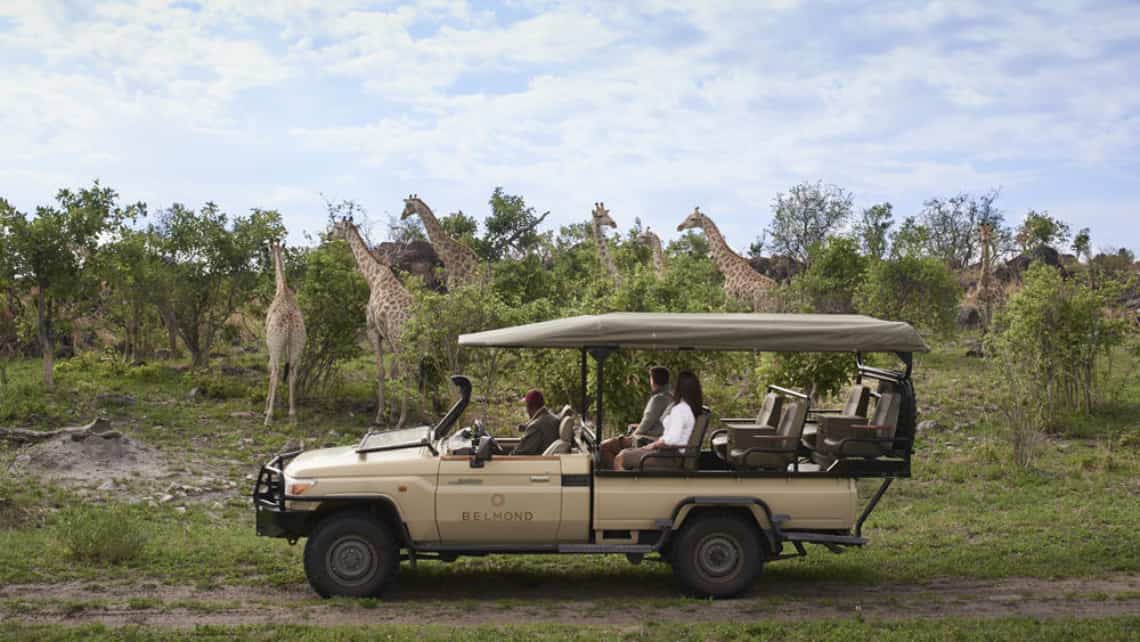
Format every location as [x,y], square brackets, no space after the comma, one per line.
[762,489]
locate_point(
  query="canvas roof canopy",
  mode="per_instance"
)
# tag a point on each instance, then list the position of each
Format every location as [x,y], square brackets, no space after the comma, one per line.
[709,331]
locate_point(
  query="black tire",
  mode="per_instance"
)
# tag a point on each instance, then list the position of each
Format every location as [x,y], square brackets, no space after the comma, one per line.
[352,555]
[717,555]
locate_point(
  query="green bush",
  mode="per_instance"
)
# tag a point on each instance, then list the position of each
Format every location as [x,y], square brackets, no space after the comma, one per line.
[835,271]
[922,292]
[102,535]
[820,374]
[332,299]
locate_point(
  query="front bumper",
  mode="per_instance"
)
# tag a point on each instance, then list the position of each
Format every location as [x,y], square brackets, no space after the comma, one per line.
[278,523]
[273,520]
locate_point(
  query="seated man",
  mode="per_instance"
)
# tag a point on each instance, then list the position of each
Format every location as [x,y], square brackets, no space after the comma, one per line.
[542,428]
[650,428]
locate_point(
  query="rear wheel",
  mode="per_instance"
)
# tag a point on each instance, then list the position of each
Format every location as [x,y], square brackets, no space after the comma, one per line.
[717,556]
[351,554]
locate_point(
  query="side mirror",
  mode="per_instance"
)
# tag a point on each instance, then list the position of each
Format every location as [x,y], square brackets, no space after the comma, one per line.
[482,453]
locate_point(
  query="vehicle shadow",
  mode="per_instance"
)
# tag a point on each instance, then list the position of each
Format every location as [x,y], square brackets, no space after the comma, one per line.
[566,579]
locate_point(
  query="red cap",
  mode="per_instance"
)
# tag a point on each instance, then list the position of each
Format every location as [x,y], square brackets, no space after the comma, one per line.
[534,396]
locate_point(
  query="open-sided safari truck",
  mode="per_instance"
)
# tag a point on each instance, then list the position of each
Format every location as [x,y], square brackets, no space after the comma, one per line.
[762,486]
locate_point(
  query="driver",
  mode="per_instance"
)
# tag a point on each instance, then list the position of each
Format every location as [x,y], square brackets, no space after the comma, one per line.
[542,428]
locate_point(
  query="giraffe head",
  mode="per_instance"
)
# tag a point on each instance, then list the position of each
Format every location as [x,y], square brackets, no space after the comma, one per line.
[695,220]
[341,228]
[602,215]
[413,204]
[648,237]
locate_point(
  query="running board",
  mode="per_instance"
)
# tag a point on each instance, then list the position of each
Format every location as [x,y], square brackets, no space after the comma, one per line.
[825,539]
[636,549]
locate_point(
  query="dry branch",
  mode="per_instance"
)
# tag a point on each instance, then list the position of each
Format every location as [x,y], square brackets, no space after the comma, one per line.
[100,427]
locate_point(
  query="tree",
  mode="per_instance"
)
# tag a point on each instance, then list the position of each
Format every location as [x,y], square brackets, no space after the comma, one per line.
[460,226]
[133,273]
[805,216]
[511,229]
[1082,244]
[332,297]
[873,229]
[835,271]
[1040,230]
[51,252]
[212,265]
[912,239]
[952,226]
[921,291]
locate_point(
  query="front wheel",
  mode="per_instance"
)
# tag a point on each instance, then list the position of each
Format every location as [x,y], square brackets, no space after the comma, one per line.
[717,556]
[351,555]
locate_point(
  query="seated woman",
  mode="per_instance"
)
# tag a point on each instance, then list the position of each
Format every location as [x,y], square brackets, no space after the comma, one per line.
[678,421]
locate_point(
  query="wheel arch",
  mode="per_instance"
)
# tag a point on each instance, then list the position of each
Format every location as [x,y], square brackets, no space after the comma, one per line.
[381,506]
[755,511]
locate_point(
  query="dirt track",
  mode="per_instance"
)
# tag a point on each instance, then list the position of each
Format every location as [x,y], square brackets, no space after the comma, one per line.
[184,607]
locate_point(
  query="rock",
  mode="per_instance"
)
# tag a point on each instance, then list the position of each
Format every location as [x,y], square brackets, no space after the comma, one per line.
[975,350]
[115,399]
[180,509]
[236,371]
[107,485]
[929,425]
[166,498]
[245,414]
[194,394]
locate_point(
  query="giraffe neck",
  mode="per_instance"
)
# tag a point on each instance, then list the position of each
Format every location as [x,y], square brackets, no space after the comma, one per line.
[719,249]
[378,275]
[603,248]
[658,252]
[435,231]
[279,269]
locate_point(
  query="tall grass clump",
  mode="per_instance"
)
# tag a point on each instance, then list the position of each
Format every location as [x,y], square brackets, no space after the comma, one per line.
[101,534]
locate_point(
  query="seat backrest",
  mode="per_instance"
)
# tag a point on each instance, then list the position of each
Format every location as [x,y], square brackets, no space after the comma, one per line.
[770,412]
[856,404]
[887,410]
[696,438]
[567,411]
[792,419]
[563,445]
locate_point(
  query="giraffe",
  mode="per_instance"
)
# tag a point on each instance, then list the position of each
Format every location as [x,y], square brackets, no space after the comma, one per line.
[285,336]
[651,240]
[602,219]
[461,262]
[741,282]
[389,306]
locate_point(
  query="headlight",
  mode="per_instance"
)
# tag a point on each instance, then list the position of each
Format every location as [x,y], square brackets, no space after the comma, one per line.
[296,487]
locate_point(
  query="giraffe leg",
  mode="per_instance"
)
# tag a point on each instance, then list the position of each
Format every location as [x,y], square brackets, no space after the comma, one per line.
[398,375]
[269,398]
[378,348]
[294,361]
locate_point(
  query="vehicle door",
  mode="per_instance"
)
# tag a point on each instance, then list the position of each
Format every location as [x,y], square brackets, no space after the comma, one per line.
[509,500]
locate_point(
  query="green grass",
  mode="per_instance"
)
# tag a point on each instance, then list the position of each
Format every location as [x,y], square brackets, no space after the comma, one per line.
[968,512]
[847,630]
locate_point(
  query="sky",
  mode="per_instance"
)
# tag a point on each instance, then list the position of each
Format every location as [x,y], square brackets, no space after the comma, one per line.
[652,107]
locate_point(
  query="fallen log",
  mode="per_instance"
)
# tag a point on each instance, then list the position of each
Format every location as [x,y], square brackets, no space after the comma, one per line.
[100,427]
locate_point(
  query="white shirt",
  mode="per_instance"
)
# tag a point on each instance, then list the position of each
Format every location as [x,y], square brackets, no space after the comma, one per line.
[678,422]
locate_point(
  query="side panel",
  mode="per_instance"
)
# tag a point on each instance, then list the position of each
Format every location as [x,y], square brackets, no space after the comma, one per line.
[510,500]
[635,502]
[575,526]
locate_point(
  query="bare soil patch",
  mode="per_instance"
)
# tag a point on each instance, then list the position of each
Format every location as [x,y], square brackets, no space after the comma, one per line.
[113,464]
[76,603]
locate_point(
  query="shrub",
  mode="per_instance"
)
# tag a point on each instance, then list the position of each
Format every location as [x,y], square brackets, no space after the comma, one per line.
[103,535]
[332,299]
[922,292]
[820,374]
[835,271]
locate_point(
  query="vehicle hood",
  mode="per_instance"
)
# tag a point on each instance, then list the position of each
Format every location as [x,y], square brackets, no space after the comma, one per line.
[344,461]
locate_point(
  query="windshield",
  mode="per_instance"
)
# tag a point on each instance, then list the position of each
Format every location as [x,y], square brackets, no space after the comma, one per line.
[392,439]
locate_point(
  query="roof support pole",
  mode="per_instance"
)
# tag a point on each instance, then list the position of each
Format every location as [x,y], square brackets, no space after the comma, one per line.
[585,407]
[600,355]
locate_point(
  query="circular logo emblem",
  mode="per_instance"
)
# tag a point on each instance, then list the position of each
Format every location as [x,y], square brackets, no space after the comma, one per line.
[497,500]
